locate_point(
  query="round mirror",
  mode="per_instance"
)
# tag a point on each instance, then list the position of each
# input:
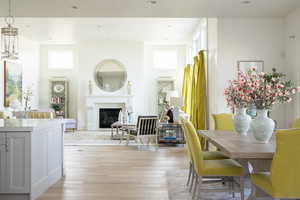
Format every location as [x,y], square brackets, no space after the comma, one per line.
[110,75]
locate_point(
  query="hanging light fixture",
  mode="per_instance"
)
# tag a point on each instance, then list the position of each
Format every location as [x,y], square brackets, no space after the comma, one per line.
[9,37]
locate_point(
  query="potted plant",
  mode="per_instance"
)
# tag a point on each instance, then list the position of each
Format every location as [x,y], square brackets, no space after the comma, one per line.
[238,98]
[268,89]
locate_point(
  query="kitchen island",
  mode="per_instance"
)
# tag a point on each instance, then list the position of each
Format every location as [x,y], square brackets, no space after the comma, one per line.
[31,157]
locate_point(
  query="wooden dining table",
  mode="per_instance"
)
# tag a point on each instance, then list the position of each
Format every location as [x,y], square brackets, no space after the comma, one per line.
[252,155]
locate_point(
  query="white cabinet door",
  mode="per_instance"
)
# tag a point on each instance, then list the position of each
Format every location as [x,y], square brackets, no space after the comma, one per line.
[2,162]
[18,162]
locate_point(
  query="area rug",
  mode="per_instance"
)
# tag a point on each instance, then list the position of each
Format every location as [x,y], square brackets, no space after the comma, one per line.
[93,138]
[179,191]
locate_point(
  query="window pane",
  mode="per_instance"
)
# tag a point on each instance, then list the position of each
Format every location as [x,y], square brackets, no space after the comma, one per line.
[165,59]
[60,59]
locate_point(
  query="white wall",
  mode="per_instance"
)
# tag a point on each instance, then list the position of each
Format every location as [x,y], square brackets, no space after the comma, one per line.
[153,74]
[137,59]
[46,74]
[292,48]
[29,56]
[91,53]
[246,39]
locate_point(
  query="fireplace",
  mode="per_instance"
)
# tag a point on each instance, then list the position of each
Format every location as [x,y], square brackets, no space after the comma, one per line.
[108,116]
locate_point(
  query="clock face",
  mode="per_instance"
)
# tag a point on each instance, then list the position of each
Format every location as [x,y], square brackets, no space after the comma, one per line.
[59,88]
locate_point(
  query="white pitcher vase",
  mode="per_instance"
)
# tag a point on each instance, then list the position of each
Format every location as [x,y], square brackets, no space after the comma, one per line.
[262,126]
[241,121]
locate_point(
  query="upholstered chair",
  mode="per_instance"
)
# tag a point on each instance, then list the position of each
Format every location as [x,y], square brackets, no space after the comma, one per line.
[212,168]
[223,122]
[39,115]
[283,181]
[296,123]
[207,155]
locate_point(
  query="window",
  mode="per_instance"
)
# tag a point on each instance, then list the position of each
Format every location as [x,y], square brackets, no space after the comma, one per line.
[165,59]
[60,59]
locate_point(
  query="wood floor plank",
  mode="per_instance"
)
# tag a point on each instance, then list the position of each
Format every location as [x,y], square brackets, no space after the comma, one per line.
[116,173]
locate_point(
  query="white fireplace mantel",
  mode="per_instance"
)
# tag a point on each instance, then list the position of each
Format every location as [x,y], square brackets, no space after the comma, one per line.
[95,102]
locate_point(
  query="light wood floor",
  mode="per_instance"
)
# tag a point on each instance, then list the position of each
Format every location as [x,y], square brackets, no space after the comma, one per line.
[116,173]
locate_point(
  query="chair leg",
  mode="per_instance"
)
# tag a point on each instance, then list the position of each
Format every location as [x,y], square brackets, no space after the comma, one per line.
[242,188]
[195,187]
[127,139]
[190,173]
[199,186]
[193,180]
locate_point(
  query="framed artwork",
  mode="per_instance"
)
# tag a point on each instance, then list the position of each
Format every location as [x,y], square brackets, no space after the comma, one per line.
[12,82]
[245,66]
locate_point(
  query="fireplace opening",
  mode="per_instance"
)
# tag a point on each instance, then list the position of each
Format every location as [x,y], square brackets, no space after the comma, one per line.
[107,116]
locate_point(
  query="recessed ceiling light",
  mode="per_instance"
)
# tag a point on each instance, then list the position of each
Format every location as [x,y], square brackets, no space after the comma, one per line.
[245,2]
[74,7]
[153,2]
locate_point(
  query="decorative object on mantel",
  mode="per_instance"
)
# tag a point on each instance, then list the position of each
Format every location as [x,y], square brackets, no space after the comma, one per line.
[238,99]
[12,82]
[91,87]
[129,88]
[110,75]
[9,37]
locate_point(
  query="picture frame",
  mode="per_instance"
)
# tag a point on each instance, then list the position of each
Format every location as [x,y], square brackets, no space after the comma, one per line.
[13,82]
[245,65]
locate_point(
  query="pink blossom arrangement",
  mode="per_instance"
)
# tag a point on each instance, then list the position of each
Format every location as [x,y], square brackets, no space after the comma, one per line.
[260,89]
[238,92]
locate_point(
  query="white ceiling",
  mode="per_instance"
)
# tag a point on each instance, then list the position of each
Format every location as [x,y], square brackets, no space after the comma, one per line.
[142,8]
[72,30]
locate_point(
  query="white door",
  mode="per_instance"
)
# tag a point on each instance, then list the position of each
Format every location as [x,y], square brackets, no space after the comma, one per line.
[18,162]
[2,162]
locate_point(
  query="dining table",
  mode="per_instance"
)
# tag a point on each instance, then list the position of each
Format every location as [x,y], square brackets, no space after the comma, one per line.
[252,155]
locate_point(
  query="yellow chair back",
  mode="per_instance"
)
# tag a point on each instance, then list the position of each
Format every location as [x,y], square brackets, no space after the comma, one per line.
[185,134]
[1,115]
[195,147]
[285,170]
[296,124]
[39,115]
[223,122]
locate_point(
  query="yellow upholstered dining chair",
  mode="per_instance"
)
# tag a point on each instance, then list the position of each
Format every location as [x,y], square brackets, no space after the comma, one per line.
[1,115]
[283,181]
[226,168]
[223,122]
[296,123]
[207,155]
[40,115]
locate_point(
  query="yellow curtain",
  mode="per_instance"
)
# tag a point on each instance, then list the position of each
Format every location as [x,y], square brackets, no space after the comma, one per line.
[186,89]
[193,91]
[198,110]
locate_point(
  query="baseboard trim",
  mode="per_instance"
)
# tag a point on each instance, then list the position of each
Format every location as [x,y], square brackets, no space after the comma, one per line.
[15,196]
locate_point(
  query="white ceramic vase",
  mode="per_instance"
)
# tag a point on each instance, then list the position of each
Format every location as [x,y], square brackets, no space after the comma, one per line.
[241,121]
[262,126]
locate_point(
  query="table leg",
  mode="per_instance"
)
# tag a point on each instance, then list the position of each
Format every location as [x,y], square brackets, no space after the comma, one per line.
[258,166]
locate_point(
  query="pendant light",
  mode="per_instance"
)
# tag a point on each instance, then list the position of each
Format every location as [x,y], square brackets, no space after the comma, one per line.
[9,37]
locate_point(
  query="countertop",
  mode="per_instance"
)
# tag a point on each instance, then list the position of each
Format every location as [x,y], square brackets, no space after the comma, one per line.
[25,125]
